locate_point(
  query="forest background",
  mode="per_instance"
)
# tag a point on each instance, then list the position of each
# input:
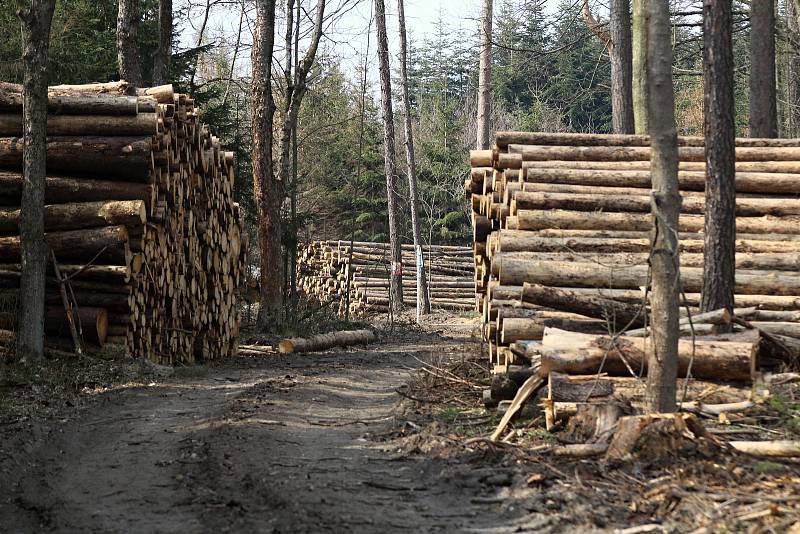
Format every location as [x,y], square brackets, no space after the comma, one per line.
[551,73]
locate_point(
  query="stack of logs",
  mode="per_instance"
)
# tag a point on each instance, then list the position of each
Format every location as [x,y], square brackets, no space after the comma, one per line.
[139,215]
[561,243]
[324,268]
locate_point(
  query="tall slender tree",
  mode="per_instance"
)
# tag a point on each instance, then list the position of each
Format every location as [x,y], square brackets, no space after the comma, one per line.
[639,78]
[621,55]
[423,299]
[130,68]
[763,87]
[662,361]
[485,78]
[268,194]
[163,53]
[36,16]
[396,277]
[720,133]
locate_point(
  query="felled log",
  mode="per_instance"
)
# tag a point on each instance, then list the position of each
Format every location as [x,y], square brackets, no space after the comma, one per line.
[768,449]
[618,314]
[77,245]
[564,388]
[138,124]
[505,138]
[326,341]
[92,323]
[714,317]
[62,190]
[98,104]
[574,353]
[79,215]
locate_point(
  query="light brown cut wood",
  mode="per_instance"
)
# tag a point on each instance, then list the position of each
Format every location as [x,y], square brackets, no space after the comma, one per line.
[326,341]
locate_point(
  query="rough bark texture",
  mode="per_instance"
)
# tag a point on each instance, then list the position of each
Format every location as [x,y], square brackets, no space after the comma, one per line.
[130,69]
[161,58]
[389,156]
[423,299]
[620,53]
[485,78]
[663,358]
[763,98]
[639,78]
[268,191]
[36,21]
[793,72]
[720,132]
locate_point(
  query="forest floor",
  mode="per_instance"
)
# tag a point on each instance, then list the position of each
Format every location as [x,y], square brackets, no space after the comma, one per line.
[368,439]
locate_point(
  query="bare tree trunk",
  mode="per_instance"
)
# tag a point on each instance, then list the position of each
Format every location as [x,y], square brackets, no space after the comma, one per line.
[621,55]
[763,98]
[163,54]
[36,20]
[423,299]
[130,68]
[666,205]
[389,155]
[485,78]
[793,71]
[268,191]
[640,46]
[720,134]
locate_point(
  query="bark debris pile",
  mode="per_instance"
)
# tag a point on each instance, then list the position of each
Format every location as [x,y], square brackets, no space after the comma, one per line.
[139,211]
[325,266]
[561,244]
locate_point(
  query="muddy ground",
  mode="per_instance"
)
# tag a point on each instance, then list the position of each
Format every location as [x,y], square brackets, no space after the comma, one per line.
[357,440]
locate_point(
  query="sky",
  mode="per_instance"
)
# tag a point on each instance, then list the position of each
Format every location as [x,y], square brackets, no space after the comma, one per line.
[347,35]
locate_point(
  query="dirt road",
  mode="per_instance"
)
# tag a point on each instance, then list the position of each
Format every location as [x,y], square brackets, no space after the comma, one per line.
[270,445]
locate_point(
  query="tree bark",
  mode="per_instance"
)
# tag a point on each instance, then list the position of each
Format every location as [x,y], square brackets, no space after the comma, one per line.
[793,70]
[620,53]
[423,299]
[389,156]
[130,68]
[485,78]
[268,191]
[720,132]
[163,54]
[36,22]
[662,359]
[640,45]
[763,98]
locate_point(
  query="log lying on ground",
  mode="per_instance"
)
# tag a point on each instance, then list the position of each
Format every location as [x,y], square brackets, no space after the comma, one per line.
[326,341]
[768,449]
[505,138]
[574,353]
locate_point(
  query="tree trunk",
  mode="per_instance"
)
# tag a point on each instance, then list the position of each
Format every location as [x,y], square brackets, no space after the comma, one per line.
[268,191]
[389,157]
[763,99]
[163,54]
[662,359]
[720,132]
[485,78]
[423,299]
[640,46]
[793,70]
[620,53]
[128,63]
[36,22]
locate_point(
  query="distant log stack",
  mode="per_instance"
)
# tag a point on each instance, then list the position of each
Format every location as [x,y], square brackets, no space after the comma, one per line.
[324,268]
[139,211]
[561,239]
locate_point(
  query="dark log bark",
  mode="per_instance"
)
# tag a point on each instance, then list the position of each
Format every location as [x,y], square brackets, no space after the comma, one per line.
[92,322]
[124,157]
[720,221]
[94,125]
[76,246]
[763,91]
[389,156]
[101,104]
[618,314]
[60,190]
[36,23]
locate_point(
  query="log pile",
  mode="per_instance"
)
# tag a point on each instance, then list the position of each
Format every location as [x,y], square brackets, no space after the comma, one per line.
[561,242]
[139,215]
[325,266]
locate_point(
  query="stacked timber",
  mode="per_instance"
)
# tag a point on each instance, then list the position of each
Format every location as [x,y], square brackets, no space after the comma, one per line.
[561,243]
[327,269]
[139,215]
